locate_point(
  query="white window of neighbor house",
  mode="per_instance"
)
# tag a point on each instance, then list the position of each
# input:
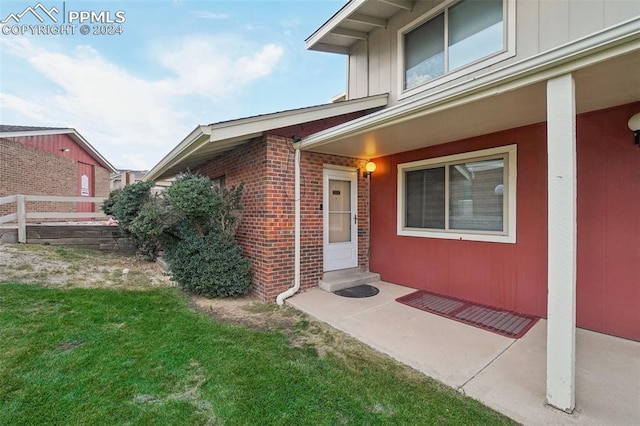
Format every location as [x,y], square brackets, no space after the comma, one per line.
[458,38]
[468,196]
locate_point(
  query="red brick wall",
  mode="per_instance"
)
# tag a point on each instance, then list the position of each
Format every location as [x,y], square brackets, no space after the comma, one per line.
[266,166]
[311,219]
[26,170]
[102,182]
[246,165]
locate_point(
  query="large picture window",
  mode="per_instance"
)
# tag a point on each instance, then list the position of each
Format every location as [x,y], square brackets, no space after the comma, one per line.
[461,34]
[465,196]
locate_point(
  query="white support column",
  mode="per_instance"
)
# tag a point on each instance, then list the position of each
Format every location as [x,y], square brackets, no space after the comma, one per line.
[562,242]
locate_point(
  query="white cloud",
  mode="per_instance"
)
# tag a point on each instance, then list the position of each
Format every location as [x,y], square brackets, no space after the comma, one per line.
[28,109]
[212,66]
[132,120]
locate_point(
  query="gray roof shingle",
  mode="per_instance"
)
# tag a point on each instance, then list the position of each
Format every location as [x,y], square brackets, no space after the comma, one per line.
[7,128]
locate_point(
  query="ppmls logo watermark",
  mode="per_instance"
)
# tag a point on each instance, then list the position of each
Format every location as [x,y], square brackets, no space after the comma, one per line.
[59,20]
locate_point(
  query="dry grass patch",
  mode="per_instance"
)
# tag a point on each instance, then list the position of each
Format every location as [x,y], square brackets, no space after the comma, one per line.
[71,267]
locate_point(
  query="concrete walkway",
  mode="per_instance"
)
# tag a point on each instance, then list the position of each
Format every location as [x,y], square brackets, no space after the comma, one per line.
[506,374]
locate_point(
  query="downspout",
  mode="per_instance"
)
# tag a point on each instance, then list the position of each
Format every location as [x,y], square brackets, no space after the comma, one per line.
[296,259]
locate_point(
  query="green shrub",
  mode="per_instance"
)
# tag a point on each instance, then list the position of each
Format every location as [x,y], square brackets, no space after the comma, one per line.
[125,204]
[210,265]
[193,198]
[194,225]
[107,206]
[147,228]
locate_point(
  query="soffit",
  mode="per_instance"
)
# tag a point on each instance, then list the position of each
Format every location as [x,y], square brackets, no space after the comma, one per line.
[353,23]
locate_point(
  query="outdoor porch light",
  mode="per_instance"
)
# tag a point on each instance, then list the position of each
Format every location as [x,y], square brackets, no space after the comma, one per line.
[634,125]
[64,149]
[369,168]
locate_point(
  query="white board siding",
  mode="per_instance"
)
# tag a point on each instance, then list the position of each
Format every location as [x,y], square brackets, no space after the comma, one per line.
[619,11]
[358,71]
[585,17]
[540,26]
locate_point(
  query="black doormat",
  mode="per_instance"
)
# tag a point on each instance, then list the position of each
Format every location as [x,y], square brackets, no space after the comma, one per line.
[505,323]
[364,290]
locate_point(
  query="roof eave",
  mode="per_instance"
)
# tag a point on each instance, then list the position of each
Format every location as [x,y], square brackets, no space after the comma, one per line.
[194,140]
[73,133]
[567,58]
[232,133]
[313,42]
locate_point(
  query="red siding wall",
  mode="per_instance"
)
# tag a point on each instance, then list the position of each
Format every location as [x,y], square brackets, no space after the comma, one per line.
[608,294]
[266,166]
[512,276]
[54,144]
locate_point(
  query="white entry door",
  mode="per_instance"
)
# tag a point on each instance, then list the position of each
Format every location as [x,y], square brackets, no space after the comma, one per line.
[340,209]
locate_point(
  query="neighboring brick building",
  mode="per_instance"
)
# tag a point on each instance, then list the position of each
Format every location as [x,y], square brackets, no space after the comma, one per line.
[50,161]
[258,151]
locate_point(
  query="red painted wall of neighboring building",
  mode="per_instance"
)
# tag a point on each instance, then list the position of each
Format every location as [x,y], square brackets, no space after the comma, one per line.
[54,144]
[512,276]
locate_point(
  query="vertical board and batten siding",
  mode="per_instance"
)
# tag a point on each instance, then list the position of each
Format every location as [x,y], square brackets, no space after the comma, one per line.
[540,25]
[510,276]
[514,276]
[54,144]
[608,263]
[87,170]
[358,66]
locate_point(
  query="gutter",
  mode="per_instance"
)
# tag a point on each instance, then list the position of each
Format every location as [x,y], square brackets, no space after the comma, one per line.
[296,275]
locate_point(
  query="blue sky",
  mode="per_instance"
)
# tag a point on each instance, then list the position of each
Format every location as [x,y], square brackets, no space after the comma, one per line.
[177,64]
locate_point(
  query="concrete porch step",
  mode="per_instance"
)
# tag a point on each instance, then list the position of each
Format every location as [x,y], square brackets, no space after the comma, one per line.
[346,278]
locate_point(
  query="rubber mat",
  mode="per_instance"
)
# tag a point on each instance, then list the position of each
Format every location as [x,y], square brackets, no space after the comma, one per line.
[505,323]
[364,290]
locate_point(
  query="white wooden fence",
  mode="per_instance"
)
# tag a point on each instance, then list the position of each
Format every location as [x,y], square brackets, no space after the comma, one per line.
[21,215]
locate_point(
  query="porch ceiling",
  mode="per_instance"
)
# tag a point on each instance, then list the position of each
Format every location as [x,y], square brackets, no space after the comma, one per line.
[604,84]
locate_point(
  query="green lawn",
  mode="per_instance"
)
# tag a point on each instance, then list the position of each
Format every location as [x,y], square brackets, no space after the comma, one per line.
[101,356]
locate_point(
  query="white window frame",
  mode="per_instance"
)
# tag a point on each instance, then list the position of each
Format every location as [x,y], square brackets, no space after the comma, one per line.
[509,51]
[507,236]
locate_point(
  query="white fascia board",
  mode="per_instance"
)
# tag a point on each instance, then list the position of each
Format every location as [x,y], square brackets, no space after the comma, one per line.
[94,153]
[589,50]
[332,48]
[73,133]
[333,22]
[246,127]
[238,131]
[196,139]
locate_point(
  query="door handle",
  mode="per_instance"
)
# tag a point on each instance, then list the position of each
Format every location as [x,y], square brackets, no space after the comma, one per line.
[355,219]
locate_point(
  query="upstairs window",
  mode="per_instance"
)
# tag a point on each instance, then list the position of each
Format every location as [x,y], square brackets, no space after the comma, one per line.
[461,34]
